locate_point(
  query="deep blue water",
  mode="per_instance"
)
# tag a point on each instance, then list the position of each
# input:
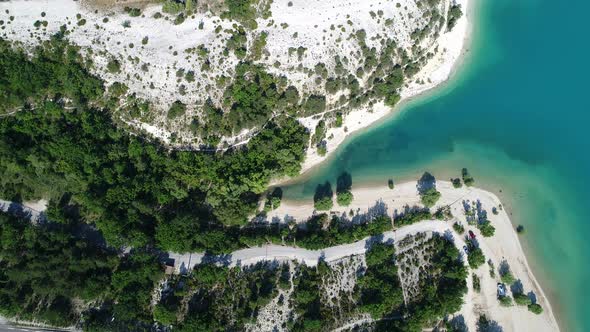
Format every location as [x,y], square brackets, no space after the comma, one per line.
[517,115]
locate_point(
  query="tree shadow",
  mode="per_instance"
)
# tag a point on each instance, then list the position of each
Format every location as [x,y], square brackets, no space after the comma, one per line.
[372,240]
[532,296]
[426,182]
[343,182]
[276,192]
[504,267]
[322,191]
[517,287]
[458,324]
[222,259]
[487,325]
[377,210]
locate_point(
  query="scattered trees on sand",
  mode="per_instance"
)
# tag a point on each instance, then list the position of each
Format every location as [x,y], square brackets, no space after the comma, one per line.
[343,186]
[475,258]
[467,178]
[322,200]
[273,199]
[486,228]
[427,189]
[535,308]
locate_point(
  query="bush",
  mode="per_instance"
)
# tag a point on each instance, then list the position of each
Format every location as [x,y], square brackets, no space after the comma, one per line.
[114,66]
[390,184]
[344,198]
[505,301]
[522,299]
[133,12]
[430,197]
[172,7]
[456,183]
[520,229]
[179,19]
[507,278]
[453,16]
[535,308]
[486,228]
[476,258]
[476,283]
[177,109]
[458,228]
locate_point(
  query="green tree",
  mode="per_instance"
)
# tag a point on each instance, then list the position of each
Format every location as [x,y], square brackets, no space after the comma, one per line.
[344,198]
[430,197]
[535,308]
[476,258]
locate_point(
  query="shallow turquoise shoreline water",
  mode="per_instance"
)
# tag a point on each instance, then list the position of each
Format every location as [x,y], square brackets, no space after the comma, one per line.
[517,115]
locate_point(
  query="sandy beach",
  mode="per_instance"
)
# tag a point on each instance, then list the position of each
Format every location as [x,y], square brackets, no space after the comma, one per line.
[504,245]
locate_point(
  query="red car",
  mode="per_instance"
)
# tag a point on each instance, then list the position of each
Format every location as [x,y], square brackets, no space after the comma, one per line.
[471,235]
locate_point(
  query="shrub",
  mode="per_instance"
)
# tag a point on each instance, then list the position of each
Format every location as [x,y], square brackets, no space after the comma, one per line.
[522,299]
[520,229]
[177,109]
[113,66]
[507,278]
[476,283]
[133,12]
[453,16]
[390,184]
[486,228]
[535,308]
[338,122]
[505,301]
[144,41]
[458,228]
[456,183]
[179,19]
[172,7]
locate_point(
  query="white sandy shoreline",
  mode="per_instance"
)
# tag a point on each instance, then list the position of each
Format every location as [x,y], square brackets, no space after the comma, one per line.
[452,48]
[504,244]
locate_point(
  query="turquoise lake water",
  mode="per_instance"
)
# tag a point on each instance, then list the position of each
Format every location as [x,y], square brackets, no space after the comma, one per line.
[517,115]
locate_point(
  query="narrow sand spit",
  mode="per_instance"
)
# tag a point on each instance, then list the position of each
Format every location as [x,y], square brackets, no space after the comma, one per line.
[504,245]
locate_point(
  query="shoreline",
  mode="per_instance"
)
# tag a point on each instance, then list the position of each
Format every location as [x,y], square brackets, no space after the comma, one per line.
[439,73]
[510,249]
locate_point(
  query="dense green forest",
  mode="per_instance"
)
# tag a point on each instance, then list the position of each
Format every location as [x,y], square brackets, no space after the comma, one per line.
[60,273]
[109,190]
[133,189]
[57,273]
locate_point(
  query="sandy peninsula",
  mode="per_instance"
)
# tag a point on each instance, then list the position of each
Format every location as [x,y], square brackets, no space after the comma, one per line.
[503,246]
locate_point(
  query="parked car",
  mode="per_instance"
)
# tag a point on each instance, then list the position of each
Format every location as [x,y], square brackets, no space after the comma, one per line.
[501,290]
[466,249]
[471,235]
